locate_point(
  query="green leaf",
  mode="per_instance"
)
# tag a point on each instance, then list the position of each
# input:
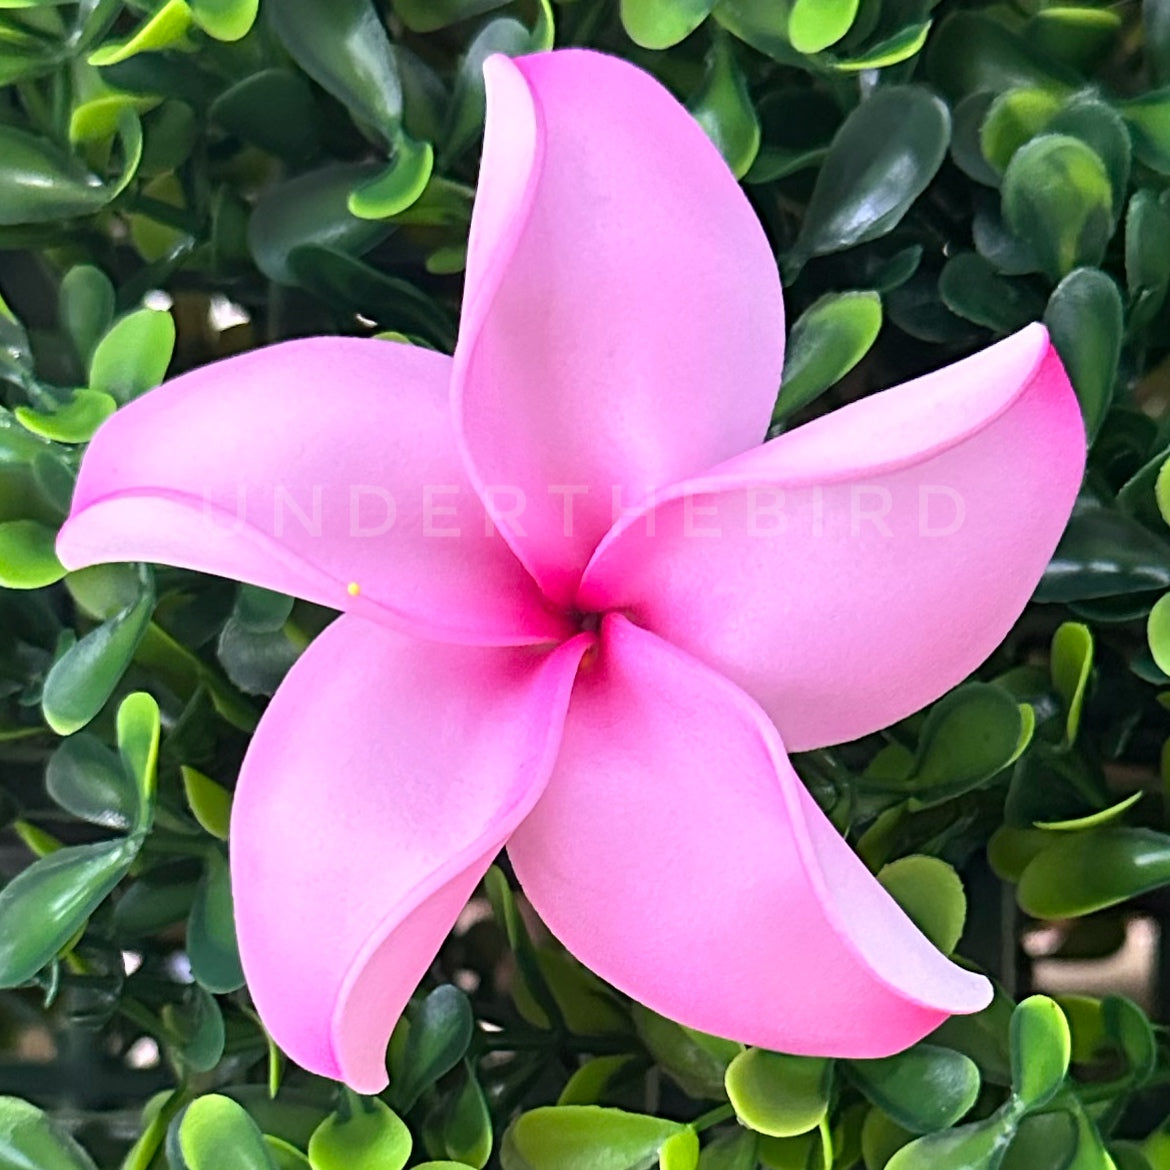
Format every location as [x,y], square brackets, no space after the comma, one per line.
[198,1030]
[776,1094]
[723,107]
[45,905]
[85,676]
[31,1140]
[85,307]
[696,1062]
[584,1137]
[1085,318]
[658,24]
[311,209]
[923,1089]
[211,930]
[814,25]
[978,1146]
[589,1084]
[1130,1031]
[1100,127]
[134,354]
[1104,817]
[735,1150]
[880,161]
[1083,872]
[931,893]
[970,735]
[1014,118]
[138,732]
[680,1152]
[225,20]
[40,183]
[440,1032]
[214,1133]
[87,779]
[342,45]
[1058,196]
[1104,553]
[467,1131]
[899,47]
[210,802]
[1041,1050]
[1158,632]
[1071,663]
[829,338]
[165,29]
[1148,119]
[373,1137]
[28,559]
[423,16]
[971,286]
[1147,254]
[398,187]
[274,109]
[972,52]
[75,422]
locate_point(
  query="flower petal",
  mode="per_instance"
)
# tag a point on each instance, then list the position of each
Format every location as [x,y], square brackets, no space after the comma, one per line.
[623,324]
[851,571]
[306,467]
[677,854]
[382,780]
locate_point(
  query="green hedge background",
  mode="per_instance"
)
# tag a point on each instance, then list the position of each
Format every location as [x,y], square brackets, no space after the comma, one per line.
[188,179]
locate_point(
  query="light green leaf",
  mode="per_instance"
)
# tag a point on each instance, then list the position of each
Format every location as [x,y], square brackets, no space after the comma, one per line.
[1041,1046]
[164,29]
[585,1137]
[374,1137]
[776,1094]
[75,422]
[931,893]
[658,24]
[393,190]
[133,356]
[215,1132]
[814,25]
[210,802]
[28,559]
[1071,664]
[225,20]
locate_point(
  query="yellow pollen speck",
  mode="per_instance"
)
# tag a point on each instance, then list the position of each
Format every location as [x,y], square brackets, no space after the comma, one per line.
[353,589]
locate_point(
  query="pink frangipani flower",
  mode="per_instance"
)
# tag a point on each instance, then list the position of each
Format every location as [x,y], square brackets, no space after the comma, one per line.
[585,611]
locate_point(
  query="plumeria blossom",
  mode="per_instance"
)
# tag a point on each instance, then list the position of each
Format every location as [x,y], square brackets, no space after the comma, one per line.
[585,610]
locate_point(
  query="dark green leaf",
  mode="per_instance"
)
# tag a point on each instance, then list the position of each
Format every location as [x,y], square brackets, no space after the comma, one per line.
[86,778]
[211,930]
[440,1032]
[1085,318]
[880,161]
[971,287]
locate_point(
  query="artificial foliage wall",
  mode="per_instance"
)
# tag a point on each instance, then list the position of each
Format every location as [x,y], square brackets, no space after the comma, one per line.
[188,180]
